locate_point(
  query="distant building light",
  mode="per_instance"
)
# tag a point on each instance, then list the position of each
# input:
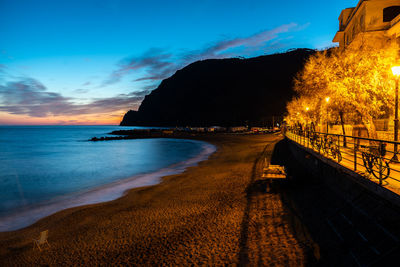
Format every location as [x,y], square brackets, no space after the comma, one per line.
[396,70]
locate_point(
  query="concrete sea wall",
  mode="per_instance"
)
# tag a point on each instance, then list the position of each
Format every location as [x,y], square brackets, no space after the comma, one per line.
[354,221]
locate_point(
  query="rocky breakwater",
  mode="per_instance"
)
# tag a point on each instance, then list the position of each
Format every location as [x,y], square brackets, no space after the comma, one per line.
[146,133]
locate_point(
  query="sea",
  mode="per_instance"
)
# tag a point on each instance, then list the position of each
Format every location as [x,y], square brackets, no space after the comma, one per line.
[45,169]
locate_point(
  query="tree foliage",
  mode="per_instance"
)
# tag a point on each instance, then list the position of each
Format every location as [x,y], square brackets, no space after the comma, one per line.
[359,83]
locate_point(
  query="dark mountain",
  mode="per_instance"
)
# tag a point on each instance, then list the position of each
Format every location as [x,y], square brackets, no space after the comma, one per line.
[222,92]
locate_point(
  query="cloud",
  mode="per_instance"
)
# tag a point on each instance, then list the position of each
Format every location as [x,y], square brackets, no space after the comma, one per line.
[2,71]
[6,54]
[106,105]
[235,46]
[81,91]
[154,61]
[86,83]
[158,64]
[29,97]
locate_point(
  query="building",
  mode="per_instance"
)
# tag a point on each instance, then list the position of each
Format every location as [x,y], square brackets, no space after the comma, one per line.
[371,22]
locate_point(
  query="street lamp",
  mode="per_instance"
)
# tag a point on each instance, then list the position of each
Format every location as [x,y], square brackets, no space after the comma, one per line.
[396,73]
[307,109]
[327,99]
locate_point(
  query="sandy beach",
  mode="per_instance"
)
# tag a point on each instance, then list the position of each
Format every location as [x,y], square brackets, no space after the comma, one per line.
[213,214]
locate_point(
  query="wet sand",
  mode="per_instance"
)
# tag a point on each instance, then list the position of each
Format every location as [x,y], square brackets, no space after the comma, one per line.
[213,214]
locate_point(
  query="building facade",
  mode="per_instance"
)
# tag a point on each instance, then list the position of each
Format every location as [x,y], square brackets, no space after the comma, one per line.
[371,22]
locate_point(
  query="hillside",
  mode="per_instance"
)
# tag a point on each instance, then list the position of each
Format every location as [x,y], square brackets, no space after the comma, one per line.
[222,92]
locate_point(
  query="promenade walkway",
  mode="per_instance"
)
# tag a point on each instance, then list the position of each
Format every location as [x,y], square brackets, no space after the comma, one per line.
[352,159]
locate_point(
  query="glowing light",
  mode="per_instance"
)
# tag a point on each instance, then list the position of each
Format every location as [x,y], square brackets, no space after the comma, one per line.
[307,108]
[84,119]
[353,79]
[396,70]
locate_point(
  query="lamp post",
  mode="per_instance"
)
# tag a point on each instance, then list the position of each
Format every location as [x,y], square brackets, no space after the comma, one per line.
[396,73]
[327,99]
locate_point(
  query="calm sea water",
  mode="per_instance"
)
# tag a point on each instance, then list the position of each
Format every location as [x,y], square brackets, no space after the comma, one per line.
[44,169]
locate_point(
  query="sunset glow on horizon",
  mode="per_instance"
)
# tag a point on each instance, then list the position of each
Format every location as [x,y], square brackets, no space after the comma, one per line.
[91,119]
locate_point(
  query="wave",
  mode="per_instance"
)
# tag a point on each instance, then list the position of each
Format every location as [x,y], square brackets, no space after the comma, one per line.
[32,214]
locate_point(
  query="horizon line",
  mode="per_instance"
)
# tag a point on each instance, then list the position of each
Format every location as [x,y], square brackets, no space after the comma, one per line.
[59,125]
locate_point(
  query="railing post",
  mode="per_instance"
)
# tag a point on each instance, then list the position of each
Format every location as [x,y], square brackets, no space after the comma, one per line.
[355,153]
[320,145]
[338,147]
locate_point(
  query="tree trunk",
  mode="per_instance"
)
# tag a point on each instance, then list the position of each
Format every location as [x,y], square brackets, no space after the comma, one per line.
[369,124]
[343,130]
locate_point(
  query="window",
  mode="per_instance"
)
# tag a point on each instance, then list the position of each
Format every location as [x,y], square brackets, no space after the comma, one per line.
[389,13]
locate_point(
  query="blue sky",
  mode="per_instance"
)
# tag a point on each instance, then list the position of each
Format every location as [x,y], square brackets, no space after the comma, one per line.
[87,62]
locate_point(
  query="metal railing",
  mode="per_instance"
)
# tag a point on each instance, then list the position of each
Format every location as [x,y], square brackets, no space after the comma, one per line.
[375,159]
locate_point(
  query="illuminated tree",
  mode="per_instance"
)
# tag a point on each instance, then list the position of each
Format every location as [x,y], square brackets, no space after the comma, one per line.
[302,110]
[357,81]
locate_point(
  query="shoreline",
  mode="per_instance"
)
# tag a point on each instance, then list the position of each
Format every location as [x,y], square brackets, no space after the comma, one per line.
[27,216]
[201,216]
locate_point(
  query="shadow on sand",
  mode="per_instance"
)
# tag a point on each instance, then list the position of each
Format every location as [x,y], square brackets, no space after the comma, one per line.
[265,193]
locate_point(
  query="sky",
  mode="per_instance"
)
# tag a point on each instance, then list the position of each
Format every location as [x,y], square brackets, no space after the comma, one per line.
[85,62]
